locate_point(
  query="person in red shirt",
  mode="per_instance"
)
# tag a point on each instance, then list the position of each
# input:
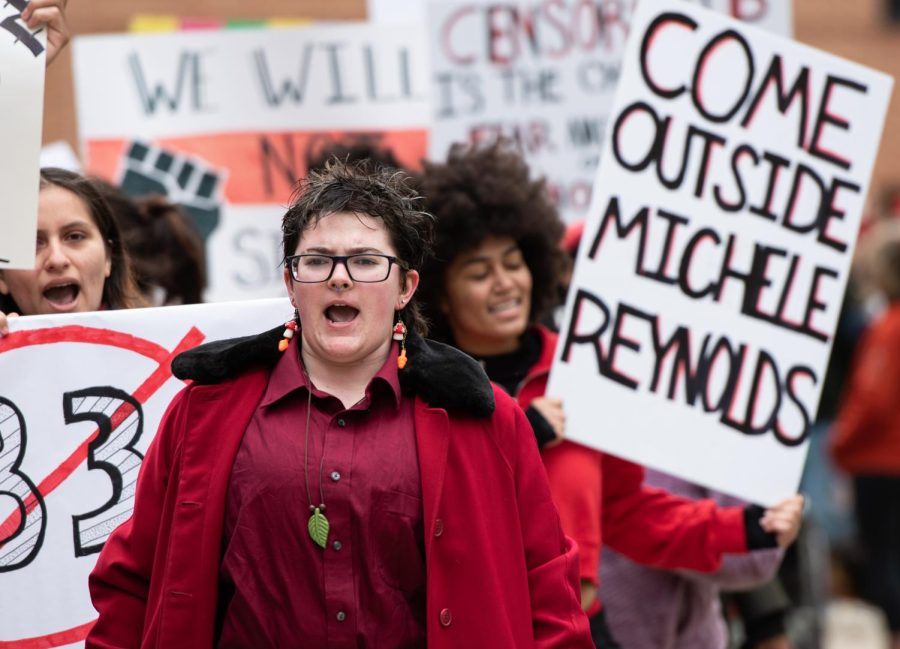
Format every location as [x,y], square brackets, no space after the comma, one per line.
[340,481]
[494,273]
[866,442]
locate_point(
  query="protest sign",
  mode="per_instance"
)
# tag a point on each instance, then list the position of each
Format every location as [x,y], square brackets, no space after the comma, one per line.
[224,123]
[22,61]
[64,378]
[774,15]
[541,73]
[714,260]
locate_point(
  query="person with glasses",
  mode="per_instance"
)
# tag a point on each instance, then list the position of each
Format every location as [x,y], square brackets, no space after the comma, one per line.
[340,481]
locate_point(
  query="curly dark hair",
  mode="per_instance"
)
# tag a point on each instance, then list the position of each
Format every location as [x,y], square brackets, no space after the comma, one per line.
[481,192]
[119,290]
[363,187]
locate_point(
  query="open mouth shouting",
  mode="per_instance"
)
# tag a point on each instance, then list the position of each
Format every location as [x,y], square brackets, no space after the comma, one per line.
[341,313]
[62,296]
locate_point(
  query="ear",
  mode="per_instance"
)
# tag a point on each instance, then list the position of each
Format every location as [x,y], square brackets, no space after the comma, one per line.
[289,285]
[410,284]
[107,268]
[4,288]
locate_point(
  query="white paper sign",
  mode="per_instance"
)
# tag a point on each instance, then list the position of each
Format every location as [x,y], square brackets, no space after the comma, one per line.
[542,74]
[716,252]
[22,61]
[62,378]
[225,122]
[774,15]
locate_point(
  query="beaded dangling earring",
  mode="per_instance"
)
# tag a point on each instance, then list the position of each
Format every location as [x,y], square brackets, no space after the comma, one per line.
[289,328]
[400,334]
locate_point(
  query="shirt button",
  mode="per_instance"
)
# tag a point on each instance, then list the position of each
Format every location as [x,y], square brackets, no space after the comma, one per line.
[337,545]
[446,617]
[341,616]
[341,423]
[438,527]
[335,475]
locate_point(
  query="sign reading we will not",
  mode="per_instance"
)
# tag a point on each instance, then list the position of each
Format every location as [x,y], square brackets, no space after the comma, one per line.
[22,60]
[717,248]
[230,119]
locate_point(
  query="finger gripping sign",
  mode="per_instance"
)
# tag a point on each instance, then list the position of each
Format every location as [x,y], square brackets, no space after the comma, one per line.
[81,398]
[716,252]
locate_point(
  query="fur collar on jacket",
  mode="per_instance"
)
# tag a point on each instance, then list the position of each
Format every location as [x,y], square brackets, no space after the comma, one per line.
[442,375]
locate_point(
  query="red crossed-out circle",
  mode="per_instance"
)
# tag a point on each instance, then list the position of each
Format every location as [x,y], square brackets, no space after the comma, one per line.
[106,338]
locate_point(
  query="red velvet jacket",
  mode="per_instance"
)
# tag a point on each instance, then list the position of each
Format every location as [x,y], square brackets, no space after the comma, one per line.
[867,431]
[500,571]
[602,499]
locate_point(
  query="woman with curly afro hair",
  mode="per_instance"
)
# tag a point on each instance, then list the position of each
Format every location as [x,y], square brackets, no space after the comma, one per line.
[496,270]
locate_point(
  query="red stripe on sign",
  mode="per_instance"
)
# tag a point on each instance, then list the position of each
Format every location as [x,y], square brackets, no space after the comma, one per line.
[146,390]
[257,167]
[81,334]
[58,639]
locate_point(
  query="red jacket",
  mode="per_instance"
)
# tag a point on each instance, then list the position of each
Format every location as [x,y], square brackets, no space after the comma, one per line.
[500,571]
[602,499]
[867,430]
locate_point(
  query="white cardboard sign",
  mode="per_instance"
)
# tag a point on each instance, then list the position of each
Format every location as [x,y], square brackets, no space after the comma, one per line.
[716,252]
[774,15]
[225,122]
[63,378]
[542,74]
[22,61]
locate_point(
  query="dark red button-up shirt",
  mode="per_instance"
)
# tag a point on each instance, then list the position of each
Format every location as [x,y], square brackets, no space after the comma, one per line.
[366,588]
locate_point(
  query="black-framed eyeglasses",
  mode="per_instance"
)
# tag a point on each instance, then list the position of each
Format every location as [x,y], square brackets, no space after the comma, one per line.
[365,267]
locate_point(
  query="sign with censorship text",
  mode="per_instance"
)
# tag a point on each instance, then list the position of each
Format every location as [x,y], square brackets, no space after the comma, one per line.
[225,122]
[541,73]
[81,397]
[716,252]
[774,15]
[22,61]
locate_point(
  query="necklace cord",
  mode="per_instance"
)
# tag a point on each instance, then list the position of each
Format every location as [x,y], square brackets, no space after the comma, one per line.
[306,454]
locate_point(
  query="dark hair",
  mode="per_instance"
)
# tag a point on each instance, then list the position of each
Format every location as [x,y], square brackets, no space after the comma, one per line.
[886,263]
[119,289]
[481,192]
[364,188]
[362,148]
[166,251]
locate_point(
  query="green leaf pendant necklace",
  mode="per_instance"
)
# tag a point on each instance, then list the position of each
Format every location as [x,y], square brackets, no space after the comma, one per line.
[318,525]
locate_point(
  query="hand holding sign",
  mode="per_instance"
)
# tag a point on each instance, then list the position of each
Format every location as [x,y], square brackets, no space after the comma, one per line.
[551,409]
[783,520]
[4,322]
[50,13]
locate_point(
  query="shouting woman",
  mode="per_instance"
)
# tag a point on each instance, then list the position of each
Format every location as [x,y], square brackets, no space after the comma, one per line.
[340,481]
